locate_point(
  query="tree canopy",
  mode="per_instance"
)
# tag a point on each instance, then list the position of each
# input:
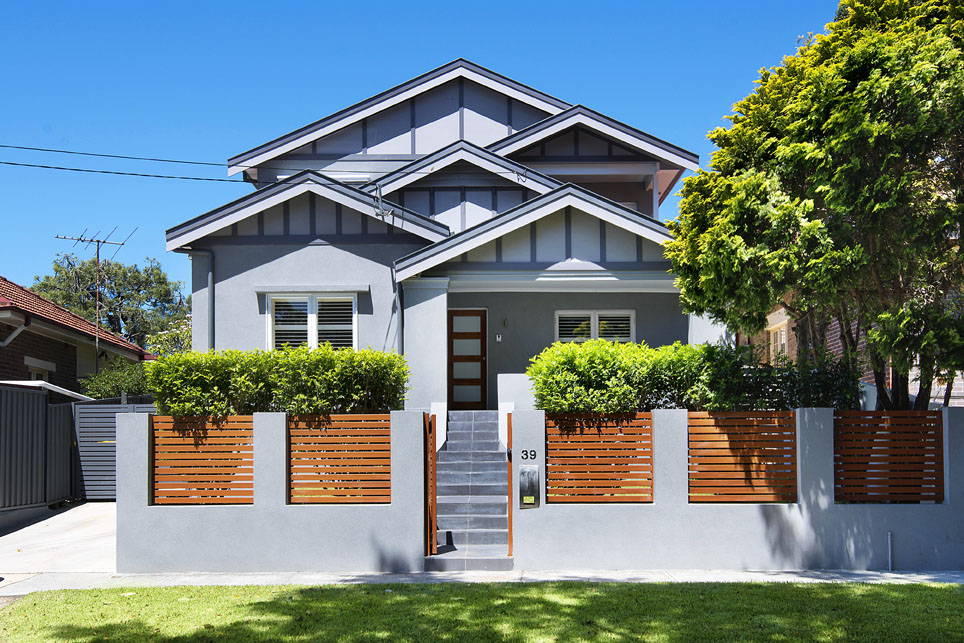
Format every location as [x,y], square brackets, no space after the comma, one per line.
[135,301]
[836,191]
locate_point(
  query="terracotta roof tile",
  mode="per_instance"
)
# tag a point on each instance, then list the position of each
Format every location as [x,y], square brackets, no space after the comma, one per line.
[13,296]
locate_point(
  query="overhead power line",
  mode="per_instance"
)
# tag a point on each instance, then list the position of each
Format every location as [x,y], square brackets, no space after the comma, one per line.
[93,171]
[186,162]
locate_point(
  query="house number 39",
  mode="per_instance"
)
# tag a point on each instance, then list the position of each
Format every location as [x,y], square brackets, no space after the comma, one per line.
[528,454]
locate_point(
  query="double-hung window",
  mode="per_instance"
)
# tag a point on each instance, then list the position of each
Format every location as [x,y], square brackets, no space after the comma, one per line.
[312,320]
[583,325]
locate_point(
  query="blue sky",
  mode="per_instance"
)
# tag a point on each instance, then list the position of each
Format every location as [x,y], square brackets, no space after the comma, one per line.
[205,80]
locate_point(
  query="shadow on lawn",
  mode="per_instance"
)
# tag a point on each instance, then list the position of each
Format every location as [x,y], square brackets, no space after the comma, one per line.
[568,611]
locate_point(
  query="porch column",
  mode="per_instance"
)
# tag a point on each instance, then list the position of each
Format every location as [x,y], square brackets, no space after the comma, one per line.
[425,311]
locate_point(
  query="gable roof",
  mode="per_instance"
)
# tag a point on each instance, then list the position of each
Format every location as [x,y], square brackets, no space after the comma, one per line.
[524,214]
[592,120]
[288,188]
[459,68]
[470,153]
[17,298]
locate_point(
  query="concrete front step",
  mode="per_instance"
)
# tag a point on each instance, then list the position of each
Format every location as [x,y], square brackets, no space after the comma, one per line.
[462,521]
[471,476]
[494,466]
[470,456]
[472,505]
[472,489]
[472,537]
[473,416]
[471,445]
[470,558]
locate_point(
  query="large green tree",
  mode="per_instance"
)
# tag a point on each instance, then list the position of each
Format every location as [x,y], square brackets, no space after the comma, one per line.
[135,301]
[838,192]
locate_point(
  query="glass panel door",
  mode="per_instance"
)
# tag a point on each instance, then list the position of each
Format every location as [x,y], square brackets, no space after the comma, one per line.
[466,367]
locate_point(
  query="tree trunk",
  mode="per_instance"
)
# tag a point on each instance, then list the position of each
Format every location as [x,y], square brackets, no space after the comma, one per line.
[884,401]
[949,388]
[926,385]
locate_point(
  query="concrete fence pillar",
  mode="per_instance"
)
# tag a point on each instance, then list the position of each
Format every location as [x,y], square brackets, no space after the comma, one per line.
[670,457]
[815,457]
[953,454]
[270,460]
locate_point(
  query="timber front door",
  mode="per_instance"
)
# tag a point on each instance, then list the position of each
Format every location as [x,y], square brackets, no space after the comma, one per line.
[467,375]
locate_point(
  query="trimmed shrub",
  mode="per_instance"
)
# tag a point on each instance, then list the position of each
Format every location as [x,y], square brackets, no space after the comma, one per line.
[595,376]
[120,376]
[609,377]
[292,380]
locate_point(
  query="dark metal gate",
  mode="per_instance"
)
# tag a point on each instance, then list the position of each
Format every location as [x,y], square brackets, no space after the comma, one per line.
[36,441]
[96,431]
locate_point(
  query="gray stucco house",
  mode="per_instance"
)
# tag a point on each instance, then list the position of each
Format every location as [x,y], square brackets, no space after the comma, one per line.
[461,218]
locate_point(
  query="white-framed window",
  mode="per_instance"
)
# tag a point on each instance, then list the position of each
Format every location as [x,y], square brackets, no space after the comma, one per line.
[294,320]
[583,325]
[778,341]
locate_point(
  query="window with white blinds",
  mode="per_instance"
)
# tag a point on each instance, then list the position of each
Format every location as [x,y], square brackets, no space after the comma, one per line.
[290,322]
[583,325]
[312,320]
[336,322]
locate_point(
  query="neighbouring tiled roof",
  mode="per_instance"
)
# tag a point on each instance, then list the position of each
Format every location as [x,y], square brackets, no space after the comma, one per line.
[13,296]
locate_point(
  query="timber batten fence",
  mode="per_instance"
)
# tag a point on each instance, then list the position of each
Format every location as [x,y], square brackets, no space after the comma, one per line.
[202,461]
[888,456]
[742,456]
[340,459]
[599,459]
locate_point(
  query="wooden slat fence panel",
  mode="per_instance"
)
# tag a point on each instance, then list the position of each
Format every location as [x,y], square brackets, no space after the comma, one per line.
[888,456]
[340,459]
[742,456]
[202,461]
[599,459]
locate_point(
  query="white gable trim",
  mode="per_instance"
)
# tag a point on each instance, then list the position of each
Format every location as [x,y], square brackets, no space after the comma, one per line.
[362,205]
[516,142]
[519,217]
[481,158]
[381,105]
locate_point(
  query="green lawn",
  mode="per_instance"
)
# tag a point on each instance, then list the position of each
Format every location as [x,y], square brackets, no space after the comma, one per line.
[537,611]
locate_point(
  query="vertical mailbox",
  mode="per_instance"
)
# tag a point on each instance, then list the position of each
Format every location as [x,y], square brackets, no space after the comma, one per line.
[529,491]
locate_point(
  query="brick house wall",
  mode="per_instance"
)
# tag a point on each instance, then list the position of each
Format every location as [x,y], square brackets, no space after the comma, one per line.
[30,344]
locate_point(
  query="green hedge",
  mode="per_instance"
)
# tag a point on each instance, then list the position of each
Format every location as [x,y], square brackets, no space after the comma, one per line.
[119,377]
[609,377]
[294,380]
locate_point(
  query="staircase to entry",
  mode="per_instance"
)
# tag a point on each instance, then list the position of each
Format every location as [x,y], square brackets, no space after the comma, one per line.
[473,520]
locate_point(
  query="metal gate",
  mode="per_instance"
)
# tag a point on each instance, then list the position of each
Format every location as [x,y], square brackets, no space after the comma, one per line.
[35,449]
[431,497]
[96,431]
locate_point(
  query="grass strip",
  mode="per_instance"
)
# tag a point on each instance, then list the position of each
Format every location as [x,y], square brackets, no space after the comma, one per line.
[558,611]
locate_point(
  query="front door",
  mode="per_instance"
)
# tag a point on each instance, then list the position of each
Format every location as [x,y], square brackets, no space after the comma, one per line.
[467,374]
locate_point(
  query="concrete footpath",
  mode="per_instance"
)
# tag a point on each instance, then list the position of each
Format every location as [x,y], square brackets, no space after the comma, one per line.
[20,584]
[75,549]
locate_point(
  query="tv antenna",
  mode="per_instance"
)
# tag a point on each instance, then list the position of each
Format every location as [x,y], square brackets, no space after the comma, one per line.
[83,238]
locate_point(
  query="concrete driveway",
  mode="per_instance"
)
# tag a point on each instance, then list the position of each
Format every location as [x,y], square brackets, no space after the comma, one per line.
[81,539]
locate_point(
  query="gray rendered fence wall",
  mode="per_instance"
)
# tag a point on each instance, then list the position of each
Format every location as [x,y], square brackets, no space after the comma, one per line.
[97,447]
[271,535]
[672,533]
